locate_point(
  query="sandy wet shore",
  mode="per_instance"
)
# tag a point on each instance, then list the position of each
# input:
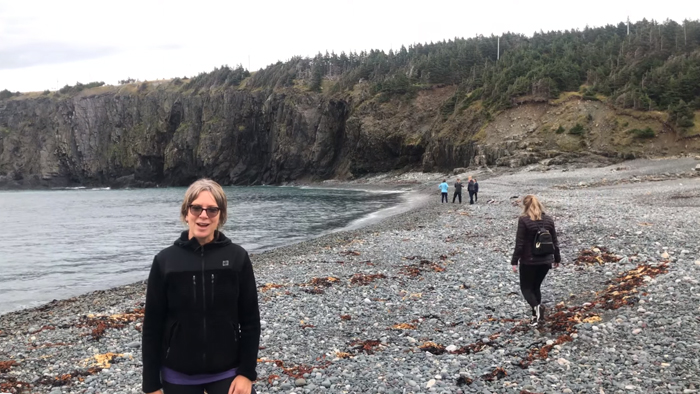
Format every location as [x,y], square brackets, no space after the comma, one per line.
[425,301]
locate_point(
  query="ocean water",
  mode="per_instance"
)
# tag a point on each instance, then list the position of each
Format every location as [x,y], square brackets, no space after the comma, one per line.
[60,243]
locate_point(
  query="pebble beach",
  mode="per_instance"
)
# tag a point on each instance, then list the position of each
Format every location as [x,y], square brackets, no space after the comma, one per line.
[425,301]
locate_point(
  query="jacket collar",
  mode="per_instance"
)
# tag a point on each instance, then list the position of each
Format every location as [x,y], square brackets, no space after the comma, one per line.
[185,242]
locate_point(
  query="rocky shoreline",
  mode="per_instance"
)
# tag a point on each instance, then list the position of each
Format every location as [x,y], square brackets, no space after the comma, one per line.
[425,301]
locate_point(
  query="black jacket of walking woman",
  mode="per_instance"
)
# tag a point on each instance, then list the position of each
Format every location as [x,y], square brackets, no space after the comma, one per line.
[525,238]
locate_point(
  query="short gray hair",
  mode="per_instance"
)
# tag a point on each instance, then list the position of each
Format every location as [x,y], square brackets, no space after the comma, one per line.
[216,191]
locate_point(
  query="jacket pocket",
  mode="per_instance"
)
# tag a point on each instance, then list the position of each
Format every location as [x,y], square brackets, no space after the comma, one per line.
[222,344]
[186,352]
[222,292]
[168,334]
[171,339]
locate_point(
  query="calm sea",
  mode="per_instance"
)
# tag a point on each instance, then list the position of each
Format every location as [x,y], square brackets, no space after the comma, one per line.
[60,243]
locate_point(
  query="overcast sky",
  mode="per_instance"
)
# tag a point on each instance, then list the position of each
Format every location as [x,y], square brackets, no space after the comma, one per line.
[46,44]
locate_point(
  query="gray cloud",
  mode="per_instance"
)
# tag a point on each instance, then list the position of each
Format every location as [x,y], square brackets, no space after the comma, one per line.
[41,53]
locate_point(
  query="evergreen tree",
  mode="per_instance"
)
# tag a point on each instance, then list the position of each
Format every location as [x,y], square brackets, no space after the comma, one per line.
[656,66]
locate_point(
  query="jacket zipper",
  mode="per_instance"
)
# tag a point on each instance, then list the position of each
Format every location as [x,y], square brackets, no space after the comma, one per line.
[194,288]
[212,289]
[204,307]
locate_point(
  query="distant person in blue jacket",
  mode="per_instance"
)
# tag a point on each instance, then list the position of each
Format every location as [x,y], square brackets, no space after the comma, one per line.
[443,188]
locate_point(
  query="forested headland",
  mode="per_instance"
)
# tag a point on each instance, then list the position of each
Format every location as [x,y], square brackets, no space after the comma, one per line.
[617,91]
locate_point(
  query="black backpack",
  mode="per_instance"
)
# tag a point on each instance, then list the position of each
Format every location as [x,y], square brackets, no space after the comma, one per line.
[543,244]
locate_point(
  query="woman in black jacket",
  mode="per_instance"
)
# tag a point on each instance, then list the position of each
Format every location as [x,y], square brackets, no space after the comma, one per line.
[201,328]
[536,247]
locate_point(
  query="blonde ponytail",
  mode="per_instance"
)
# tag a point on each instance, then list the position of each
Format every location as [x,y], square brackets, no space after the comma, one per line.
[532,207]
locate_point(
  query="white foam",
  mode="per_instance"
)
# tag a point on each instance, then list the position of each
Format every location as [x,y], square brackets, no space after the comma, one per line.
[410,201]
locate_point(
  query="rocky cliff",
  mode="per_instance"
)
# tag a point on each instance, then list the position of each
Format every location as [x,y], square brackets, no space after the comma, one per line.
[158,134]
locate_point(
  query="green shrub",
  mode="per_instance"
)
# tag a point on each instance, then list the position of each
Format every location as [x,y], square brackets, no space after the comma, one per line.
[644,133]
[560,130]
[576,130]
[681,114]
[685,122]
[588,94]
[383,98]
[397,85]
[448,107]
[79,87]
[224,77]
[4,94]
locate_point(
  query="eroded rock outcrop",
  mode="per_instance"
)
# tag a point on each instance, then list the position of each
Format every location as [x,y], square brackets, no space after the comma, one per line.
[123,136]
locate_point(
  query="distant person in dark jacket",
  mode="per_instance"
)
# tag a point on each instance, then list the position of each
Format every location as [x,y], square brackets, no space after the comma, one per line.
[443,190]
[458,191]
[533,268]
[470,189]
[476,189]
[201,328]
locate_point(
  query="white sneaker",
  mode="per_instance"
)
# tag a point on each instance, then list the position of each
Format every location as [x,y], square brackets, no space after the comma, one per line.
[537,317]
[541,316]
[533,321]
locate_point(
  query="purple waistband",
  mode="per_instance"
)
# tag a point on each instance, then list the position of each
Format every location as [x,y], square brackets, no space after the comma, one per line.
[175,377]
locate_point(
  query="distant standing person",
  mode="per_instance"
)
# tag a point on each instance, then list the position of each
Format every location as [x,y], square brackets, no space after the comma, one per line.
[458,191]
[536,248]
[470,189]
[443,189]
[476,189]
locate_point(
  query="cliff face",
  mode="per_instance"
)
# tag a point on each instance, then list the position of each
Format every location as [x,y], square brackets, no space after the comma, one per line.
[162,136]
[165,138]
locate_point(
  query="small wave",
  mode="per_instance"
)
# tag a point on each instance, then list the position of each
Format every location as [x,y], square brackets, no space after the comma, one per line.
[101,188]
[410,201]
[380,191]
[353,189]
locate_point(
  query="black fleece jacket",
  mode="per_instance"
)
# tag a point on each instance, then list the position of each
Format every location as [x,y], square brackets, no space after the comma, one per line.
[201,311]
[525,238]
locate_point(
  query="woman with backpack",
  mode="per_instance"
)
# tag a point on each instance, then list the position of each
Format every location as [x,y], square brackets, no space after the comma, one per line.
[536,248]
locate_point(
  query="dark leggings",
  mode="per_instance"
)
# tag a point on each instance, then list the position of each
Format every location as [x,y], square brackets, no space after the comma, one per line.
[443,198]
[218,387]
[531,277]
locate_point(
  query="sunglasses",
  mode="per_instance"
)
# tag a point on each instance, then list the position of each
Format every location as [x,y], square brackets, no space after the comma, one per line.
[196,210]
